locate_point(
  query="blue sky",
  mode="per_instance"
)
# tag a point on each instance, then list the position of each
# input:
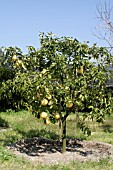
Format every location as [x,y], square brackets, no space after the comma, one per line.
[21,21]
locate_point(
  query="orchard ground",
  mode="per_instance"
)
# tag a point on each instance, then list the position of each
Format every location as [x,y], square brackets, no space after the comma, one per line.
[26,143]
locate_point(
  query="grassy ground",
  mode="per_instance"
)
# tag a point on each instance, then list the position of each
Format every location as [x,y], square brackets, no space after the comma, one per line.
[23,125]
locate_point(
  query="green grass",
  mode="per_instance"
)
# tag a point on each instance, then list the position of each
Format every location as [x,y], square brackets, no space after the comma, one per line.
[20,125]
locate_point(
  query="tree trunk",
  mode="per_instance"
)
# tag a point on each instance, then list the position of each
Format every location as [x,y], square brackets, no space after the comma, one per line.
[76,122]
[60,130]
[63,136]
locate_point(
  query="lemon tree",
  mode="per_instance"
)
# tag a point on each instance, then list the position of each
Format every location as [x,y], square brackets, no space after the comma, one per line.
[56,80]
[66,81]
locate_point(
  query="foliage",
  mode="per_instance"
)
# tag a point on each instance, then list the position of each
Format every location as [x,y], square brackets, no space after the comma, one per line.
[58,78]
[9,69]
[62,81]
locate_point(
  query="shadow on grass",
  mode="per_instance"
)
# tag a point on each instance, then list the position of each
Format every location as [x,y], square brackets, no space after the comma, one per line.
[39,142]
[107,128]
[37,133]
[36,142]
[13,137]
[3,123]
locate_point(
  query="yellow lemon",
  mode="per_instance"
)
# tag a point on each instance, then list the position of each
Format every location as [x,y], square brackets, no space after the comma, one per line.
[57,116]
[43,115]
[69,104]
[44,102]
[14,57]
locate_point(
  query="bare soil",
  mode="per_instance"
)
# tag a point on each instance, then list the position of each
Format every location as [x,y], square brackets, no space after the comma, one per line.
[45,151]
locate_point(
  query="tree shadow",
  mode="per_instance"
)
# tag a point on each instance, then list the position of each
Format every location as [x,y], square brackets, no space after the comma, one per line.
[40,142]
[15,137]
[38,133]
[39,146]
[107,128]
[9,139]
[3,123]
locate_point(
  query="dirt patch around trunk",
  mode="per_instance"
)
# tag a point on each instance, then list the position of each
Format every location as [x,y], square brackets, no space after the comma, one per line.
[45,151]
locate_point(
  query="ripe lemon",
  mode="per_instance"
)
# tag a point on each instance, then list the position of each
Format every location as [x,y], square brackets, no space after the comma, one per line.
[14,57]
[69,104]
[44,102]
[80,70]
[57,116]
[43,115]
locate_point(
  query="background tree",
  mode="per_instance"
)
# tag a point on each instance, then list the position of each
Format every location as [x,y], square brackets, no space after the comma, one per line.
[104,29]
[11,64]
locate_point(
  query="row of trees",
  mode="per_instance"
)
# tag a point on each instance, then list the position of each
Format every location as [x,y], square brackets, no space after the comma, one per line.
[56,80]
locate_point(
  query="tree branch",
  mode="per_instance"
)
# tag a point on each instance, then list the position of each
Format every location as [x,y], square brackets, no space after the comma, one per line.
[104,30]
